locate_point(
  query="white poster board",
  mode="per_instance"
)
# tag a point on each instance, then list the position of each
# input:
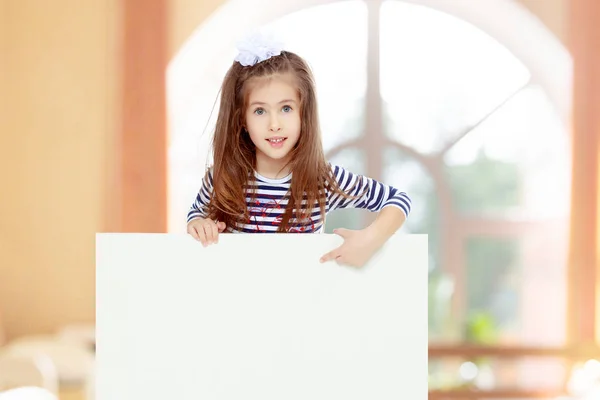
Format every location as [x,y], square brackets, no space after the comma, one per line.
[259,317]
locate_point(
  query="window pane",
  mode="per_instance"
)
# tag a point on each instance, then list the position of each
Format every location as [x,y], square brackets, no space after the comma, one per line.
[516,161]
[352,159]
[493,276]
[508,281]
[485,185]
[439,74]
[510,178]
[407,174]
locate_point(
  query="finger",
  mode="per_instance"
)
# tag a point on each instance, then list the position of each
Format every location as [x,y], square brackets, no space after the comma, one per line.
[193,232]
[332,255]
[202,235]
[343,232]
[208,232]
[214,233]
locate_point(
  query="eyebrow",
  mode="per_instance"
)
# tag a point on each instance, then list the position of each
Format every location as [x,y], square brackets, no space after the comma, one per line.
[260,103]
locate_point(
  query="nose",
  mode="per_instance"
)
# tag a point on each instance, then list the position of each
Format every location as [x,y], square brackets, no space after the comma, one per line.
[274,125]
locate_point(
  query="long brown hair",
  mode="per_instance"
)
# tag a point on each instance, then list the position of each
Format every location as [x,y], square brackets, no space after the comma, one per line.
[234,153]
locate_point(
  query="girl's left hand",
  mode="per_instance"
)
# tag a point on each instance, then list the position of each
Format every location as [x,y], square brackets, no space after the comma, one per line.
[357,249]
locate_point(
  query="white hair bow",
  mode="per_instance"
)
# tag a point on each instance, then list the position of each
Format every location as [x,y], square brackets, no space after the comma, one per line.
[256,48]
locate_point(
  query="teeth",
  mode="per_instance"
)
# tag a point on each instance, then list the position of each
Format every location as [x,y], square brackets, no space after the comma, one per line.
[276,140]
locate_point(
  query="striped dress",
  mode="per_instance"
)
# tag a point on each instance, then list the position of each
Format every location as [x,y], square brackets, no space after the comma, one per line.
[269,203]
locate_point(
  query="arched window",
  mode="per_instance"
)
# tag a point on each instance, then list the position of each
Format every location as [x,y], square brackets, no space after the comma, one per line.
[441,101]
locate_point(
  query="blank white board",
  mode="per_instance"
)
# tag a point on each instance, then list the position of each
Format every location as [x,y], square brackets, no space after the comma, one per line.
[259,317]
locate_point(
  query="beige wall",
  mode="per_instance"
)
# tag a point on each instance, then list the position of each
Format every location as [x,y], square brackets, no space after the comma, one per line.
[59,110]
[552,13]
[59,83]
[186,16]
[4,158]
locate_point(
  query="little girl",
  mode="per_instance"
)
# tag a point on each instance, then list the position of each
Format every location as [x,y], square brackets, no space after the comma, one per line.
[270,173]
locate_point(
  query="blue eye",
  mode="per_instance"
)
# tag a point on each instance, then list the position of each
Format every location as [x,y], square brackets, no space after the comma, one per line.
[287,108]
[259,111]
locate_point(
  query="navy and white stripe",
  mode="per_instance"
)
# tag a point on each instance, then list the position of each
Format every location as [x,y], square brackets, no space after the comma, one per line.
[269,205]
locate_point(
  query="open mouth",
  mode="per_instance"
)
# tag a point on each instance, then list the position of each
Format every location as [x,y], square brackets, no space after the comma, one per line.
[276,141]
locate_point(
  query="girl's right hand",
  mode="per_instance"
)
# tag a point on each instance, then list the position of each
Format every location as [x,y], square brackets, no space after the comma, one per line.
[205,230]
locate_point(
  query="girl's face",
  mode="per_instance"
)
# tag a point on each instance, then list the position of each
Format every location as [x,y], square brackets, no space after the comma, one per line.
[272,119]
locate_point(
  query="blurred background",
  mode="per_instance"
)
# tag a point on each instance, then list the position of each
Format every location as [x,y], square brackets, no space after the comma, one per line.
[484,111]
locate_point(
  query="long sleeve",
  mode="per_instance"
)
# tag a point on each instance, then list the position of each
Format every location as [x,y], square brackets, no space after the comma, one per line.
[374,195]
[198,208]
